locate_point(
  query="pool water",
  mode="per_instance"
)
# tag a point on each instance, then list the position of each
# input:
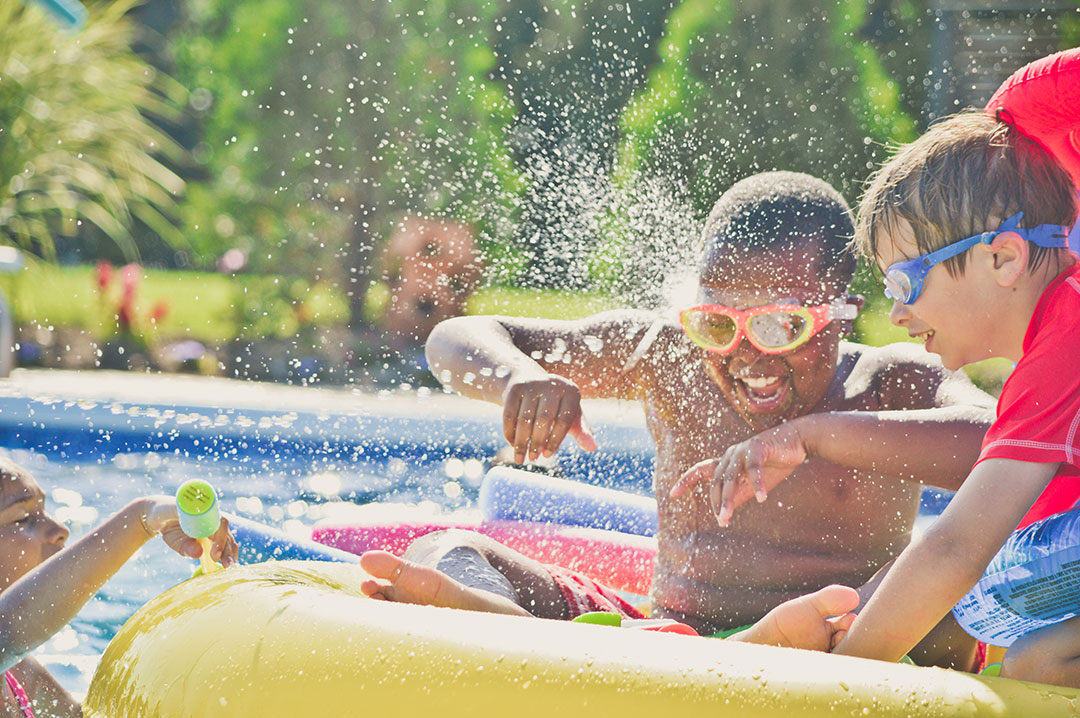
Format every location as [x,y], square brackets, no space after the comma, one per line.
[287,494]
[283,457]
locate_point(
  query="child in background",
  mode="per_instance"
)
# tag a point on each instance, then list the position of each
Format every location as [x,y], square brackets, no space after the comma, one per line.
[44,582]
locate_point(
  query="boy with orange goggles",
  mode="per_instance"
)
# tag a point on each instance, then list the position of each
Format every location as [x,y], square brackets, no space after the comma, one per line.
[764,349]
[771,328]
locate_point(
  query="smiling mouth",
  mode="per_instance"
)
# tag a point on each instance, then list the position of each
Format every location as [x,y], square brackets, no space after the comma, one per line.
[762,393]
[924,337]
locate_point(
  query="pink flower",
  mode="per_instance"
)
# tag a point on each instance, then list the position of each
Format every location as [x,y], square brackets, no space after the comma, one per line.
[104,274]
[161,308]
[131,273]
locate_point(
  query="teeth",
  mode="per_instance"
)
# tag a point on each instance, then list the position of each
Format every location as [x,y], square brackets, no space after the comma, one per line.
[760,382]
[926,337]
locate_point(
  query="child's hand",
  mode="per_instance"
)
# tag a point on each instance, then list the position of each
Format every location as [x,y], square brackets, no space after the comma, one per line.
[539,412]
[750,468]
[161,518]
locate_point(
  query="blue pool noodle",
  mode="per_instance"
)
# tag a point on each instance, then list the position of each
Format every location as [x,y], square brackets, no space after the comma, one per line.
[513,494]
[259,543]
[69,14]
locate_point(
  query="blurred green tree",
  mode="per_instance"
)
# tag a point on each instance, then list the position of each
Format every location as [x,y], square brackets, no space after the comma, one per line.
[325,122]
[570,66]
[749,86]
[77,147]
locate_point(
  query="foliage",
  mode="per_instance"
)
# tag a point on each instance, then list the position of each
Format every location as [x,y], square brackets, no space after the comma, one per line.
[325,122]
[753,86]
[745,87]
[212,308]
[76,145]
[216,308]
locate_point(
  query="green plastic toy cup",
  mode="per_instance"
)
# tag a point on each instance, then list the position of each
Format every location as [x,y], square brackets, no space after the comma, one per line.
[197,507]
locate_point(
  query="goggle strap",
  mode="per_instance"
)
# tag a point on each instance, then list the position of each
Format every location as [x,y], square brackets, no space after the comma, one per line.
[842,310]
[1073,240]
[1050,236]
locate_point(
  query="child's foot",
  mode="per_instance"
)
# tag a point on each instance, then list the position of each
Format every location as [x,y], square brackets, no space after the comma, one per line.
[815,622]
[403,581]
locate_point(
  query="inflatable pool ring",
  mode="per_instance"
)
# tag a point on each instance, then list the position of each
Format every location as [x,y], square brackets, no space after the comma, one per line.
[513,494]
[1042,100]
[622,561]
[298,639]
[603,533]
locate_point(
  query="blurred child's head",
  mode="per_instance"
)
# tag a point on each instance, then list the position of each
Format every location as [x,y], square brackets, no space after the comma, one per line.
[965,177]
[28,535]
[777,238]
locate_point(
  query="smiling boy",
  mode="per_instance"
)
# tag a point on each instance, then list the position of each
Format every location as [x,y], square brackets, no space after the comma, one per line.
[969,225]
[761,346]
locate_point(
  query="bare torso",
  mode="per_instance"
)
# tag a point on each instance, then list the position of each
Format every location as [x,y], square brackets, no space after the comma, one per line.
[825,524]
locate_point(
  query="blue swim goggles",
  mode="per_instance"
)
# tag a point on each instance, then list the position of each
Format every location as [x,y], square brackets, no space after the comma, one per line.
[904,280]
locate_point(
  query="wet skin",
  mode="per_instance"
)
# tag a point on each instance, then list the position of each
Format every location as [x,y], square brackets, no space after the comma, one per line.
[958,337]
[28,535]
[825,524]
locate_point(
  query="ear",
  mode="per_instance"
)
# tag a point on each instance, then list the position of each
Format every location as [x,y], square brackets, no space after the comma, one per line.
[1009,258]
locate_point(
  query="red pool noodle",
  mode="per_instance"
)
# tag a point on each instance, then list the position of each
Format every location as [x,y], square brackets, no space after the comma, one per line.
[622,561]
[1042,100]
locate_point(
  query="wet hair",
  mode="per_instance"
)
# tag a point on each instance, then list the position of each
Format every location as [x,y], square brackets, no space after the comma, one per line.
[779,211]
[10,472]
[966,175]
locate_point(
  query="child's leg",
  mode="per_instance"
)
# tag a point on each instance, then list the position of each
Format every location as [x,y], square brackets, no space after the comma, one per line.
[814,622]
[464,569]
[1049,655]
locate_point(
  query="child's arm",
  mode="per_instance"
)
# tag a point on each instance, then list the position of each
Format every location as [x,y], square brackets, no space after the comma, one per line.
[44,600]
[538,370]
[929,429]
[931,446]
[935,572]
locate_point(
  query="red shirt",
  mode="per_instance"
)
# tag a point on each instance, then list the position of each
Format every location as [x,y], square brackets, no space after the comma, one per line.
[1038,413]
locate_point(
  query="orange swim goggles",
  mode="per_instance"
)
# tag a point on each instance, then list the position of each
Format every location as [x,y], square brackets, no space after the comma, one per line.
[771,329]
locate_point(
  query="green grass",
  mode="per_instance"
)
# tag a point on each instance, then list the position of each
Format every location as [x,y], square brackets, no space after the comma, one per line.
[215,308]
[204,306]
[537,303]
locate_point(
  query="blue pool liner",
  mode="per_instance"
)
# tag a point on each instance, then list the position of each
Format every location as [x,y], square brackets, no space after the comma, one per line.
[219,424]
[259,543]
[513,494]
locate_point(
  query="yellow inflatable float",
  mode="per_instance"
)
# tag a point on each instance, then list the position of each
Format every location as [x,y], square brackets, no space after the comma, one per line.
[298,639]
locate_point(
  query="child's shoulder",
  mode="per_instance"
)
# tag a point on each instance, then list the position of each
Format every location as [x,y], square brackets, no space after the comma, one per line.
[906,376]
[890,357]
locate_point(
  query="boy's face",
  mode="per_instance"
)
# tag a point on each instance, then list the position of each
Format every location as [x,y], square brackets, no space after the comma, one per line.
[951,315]
[766,389]
[28,535]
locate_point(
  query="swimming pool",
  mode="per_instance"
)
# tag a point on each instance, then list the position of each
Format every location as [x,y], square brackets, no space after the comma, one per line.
[284,456]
